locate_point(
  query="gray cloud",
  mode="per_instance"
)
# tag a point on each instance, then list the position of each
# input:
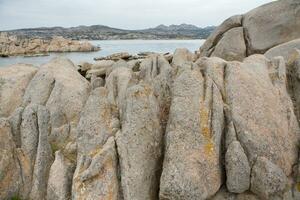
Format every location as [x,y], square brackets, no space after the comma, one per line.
[130,14]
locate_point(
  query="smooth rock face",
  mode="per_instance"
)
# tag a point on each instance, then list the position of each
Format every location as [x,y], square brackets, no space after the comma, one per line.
[13,82]
[191,164]
[237,168]
[267,179]
[208,47]
[232,45]
[182,56]
[265,30]
[259,30]
[140,144]
[283,50]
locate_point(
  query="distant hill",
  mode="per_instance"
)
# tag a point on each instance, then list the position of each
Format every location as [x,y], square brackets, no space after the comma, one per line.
[100,32]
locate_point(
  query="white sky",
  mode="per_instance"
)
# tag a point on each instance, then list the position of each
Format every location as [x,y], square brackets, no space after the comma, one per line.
[127,14]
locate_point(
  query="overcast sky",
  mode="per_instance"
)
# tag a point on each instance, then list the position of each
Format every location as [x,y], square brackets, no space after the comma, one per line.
[128,14]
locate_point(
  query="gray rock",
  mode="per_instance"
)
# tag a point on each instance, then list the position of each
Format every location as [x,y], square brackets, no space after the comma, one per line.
[44,157]
[94,127]
[60,178]
[103,64]
[97,82]
[230,135]
[10,173]
[293,74]
[232,22]
[232,45]
[157,72]
[115,56]
[30,133]
[140,144]
[15,121]
[59,87]
[264,29]
[191,168]
[96,174]
[237,169]
[267,179]
[117,83]
[13,82]
[262,111]
[283,50]
[182,56]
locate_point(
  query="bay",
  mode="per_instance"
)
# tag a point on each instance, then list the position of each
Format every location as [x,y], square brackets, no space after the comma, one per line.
[109,47]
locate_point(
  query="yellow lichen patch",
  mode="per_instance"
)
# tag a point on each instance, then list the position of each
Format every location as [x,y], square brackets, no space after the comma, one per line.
[95,152]
[209,148]
[298,186]
[204,122]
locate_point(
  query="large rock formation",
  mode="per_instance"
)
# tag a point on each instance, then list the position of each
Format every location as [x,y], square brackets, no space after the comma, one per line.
[255,32]
[171,129]
[178,129]
[11,45]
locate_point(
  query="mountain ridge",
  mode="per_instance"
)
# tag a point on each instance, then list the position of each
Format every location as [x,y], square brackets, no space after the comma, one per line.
[102,32]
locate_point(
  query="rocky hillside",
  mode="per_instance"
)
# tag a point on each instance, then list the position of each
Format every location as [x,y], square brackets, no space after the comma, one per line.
[11,45]
[167,127]
[98,32]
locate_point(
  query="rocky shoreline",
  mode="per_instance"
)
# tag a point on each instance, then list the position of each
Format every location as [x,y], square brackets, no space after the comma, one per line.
[218,124]
[11,45]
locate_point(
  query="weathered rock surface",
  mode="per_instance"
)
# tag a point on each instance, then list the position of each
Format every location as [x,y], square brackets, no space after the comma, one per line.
[43,156]
[293,75]
[191,168]
[60,178]
[283,50]
[63,91]
[140,144]
[13,82]
[168,127]
[232,22]
[96,174]
[10,175]
[229,50]
[262,30]
[182,56]
[267,179]
[11,45]
[237,168]
[262,111]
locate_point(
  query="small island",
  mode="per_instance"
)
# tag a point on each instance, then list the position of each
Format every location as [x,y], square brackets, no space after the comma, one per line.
[13,45]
